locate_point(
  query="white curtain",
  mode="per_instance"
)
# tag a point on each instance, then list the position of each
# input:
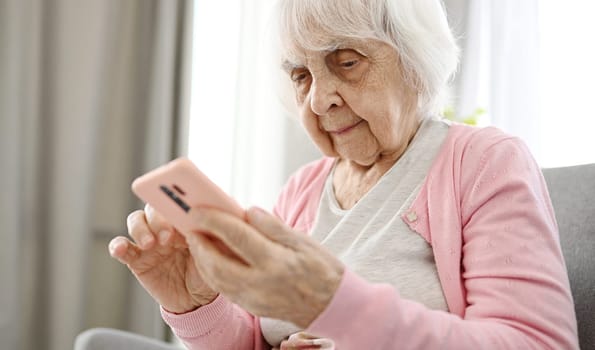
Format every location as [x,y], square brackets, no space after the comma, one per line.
[269,141]
[92,94]
[499,69]
[241,134]
[529,65]
[567,74]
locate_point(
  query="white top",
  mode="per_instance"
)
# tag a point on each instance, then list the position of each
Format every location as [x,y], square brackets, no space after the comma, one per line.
[372,240]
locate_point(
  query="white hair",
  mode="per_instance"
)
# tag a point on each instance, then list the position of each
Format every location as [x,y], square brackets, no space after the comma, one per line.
[417,29]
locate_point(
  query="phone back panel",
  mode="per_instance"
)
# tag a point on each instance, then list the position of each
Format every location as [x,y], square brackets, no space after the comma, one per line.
[179,185]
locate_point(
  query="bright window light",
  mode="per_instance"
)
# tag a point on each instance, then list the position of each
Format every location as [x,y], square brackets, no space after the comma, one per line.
[567,56]
[214,74]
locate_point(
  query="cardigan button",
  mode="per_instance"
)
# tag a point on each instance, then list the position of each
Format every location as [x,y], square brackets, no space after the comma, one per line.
[412,216]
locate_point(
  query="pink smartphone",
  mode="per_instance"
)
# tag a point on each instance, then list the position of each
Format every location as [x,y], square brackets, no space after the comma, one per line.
[174,188]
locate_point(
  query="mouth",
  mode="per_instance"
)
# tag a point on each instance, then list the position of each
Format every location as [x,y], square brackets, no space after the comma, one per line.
[346,129]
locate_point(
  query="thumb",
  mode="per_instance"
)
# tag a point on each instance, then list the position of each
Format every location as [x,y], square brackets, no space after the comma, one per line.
[271,227]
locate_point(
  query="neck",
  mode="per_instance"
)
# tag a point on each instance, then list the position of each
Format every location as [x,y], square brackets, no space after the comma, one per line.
[384,160]
[351,180]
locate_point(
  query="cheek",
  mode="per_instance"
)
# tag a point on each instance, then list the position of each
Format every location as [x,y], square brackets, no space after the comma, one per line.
[388,110]
[382,124]
[320,138]
[394,130]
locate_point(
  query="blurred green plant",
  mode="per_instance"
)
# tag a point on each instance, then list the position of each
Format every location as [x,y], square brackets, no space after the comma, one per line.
[472,119]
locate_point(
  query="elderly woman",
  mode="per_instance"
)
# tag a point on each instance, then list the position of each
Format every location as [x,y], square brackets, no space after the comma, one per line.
[410,233]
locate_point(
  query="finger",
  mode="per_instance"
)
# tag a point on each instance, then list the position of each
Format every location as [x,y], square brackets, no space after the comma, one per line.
[299,345]
[123,250]
[273,228]
[158,224]
[214,266]
[241,238]
[139,230]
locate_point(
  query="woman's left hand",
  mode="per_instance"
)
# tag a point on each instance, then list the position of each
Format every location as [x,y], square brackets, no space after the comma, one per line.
[265,267]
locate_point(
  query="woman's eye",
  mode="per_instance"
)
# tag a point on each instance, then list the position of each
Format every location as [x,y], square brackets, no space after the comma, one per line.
[299,76]
[349,64]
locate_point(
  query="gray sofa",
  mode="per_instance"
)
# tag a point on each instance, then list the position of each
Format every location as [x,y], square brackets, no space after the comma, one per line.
[572,190]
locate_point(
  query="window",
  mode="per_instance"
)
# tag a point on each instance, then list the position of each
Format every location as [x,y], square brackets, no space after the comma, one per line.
[567,78]
[215,49]
[237,126]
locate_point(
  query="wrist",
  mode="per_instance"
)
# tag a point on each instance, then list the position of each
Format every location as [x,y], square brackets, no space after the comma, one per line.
[179,311]
[203,300]
[197,302]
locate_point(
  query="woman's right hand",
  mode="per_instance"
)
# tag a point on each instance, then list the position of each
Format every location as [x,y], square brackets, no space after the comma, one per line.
[159,258]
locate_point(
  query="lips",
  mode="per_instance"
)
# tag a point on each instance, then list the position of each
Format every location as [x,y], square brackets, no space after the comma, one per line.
[345,129]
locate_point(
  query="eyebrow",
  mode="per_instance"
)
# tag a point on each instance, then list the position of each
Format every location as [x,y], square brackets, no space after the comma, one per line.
[288,66]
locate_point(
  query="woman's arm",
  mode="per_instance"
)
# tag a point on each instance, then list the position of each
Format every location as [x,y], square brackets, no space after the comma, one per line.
[218,325]
[513,275]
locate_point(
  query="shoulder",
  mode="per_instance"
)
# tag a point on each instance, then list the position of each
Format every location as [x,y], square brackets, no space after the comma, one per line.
[488,162]
[298,200]
[478,160]
[487,147]
[308,174]
[477,138]
[468,149]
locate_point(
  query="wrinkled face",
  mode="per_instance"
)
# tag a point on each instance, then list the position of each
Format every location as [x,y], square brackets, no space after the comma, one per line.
[353,100]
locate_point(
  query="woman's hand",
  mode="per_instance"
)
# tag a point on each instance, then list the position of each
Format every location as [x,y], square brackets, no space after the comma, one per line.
[272,271]
[304,341]
[160,260]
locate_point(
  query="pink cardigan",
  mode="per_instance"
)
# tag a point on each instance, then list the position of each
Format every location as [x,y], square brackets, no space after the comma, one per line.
[485,210]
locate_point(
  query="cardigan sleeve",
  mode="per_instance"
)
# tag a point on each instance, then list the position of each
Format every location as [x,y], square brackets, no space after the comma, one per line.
[218,325]
[516,289]
[513,269]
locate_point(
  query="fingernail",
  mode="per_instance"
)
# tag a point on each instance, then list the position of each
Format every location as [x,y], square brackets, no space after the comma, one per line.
[111,247]
[163,236]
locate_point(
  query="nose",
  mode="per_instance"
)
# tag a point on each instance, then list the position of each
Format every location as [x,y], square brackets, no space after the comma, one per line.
[324,95]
